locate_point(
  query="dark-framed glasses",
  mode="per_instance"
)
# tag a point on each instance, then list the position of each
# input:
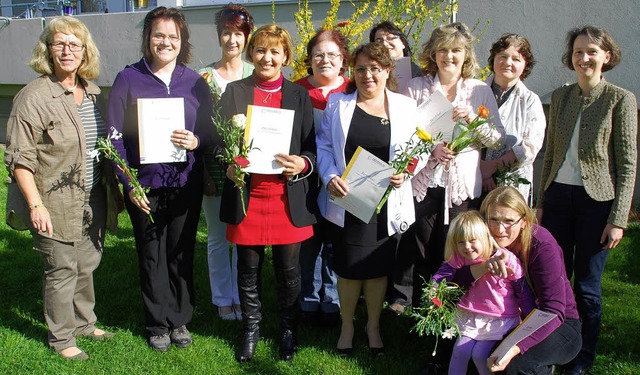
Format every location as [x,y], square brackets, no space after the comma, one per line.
[506,224]
[386,38]
[374,70]
[59,46]
[319,56]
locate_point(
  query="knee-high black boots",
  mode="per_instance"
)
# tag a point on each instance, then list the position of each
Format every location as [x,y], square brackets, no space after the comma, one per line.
[250,302]
[288,287]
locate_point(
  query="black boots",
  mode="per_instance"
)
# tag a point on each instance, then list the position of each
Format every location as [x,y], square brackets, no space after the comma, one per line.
[288,287]
[250,303]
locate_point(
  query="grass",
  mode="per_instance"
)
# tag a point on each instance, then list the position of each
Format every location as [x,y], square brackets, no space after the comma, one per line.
[23,346]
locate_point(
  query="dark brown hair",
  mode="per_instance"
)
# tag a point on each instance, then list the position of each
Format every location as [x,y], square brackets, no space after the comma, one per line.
[234,17]
[391,29]
[598,36]
[378,53]
[328,36]
[177,17]
[521,44]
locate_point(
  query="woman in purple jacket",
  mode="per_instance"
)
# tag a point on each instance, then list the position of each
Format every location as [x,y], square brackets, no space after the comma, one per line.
[165,246]
[512,224]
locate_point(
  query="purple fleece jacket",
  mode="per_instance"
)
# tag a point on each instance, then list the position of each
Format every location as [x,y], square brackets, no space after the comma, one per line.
[551,287]
[136,81]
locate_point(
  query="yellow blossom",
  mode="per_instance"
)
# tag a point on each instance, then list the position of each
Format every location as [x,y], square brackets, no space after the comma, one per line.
[422,134]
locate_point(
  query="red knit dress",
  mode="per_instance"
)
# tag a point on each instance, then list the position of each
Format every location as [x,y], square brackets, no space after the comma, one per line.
[268,221]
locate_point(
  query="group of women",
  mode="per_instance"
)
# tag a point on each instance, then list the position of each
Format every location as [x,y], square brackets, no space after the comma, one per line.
[323,262]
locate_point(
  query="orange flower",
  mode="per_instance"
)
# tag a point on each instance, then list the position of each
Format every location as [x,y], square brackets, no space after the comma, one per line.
[483,112]
[207,77]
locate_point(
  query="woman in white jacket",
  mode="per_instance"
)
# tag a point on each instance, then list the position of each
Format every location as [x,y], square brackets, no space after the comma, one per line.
[511,61]
[381,121]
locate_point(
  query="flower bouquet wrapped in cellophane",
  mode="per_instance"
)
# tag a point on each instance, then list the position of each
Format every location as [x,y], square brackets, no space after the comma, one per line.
[437,312]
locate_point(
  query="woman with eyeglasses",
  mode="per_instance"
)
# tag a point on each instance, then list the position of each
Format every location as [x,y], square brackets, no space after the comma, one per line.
[394,39]
[451,182]
[60,190]
[277,209]
[165,244]
[511,61]
[512,224]
[234,23]
[370,115]
[326,60]
[589,171]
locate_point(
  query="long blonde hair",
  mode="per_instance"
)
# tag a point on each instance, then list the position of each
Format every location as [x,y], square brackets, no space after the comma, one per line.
[41,60]
[454,34]
[508,196]
[467,226]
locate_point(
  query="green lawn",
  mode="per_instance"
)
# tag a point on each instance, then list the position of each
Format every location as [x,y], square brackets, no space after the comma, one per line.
[23,347]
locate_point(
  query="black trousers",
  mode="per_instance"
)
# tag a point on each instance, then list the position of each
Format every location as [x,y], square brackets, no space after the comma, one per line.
[165,255]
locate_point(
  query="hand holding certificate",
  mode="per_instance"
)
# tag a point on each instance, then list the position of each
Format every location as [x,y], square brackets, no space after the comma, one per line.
[367,178]
[268,131]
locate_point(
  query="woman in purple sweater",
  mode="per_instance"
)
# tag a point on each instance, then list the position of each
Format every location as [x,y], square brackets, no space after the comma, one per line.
[512,224]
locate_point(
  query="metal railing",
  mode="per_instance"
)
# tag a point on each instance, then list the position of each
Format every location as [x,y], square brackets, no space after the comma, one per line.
[45,8]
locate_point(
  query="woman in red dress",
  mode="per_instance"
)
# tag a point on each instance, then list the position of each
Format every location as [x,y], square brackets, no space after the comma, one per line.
[279,210]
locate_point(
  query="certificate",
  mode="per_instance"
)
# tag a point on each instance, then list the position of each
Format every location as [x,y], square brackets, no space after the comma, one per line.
[435,116]
[534,321]
[368,179]
[402,71]
[268,131]
[157,119]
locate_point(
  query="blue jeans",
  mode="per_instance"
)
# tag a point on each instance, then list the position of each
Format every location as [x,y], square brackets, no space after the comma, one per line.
[319,290]
[577,222]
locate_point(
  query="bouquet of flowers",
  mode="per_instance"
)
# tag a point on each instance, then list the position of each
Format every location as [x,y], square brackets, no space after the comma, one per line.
[108,150]
[406,159]
[437,311]
[468,133]
[236,148]
[505,175]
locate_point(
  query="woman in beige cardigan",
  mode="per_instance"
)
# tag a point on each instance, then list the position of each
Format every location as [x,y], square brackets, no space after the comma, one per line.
[589,173]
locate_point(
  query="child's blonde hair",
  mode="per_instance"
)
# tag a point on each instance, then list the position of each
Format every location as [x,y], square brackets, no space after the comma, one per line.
[467,226]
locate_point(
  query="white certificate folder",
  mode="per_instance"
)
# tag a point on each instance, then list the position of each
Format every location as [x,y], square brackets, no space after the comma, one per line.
[268,132]
[368,179]
[157,119]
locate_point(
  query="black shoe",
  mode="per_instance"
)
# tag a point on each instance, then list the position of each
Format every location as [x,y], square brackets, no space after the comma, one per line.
[181,337]
[161,343]
[375,352]
[247,347]
[288,346]
[344,352]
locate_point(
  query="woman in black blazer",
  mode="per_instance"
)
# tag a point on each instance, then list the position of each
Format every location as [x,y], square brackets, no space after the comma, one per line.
[279,211]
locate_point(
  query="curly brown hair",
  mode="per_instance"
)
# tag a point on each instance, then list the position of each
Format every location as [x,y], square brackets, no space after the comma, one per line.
[378,53]
[521,44]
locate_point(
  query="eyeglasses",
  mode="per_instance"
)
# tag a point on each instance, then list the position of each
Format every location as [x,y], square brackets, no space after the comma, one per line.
[507,224]
[59,46]
[374,70]
[317,57]
[387,38]
[162,37]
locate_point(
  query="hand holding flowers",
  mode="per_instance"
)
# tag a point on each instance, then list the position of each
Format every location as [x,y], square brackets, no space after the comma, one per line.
[406,160]
[471,132]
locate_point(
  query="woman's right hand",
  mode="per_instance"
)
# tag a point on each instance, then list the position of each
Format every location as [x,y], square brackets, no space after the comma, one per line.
[338,187]
[142,202]
[41,220]
[442,153]
[232,175]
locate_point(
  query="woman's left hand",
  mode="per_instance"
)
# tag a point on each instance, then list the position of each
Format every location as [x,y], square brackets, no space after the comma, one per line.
[397,180]
[293,164]
[184,139]
[461,112]
[500,366]
[611,236]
